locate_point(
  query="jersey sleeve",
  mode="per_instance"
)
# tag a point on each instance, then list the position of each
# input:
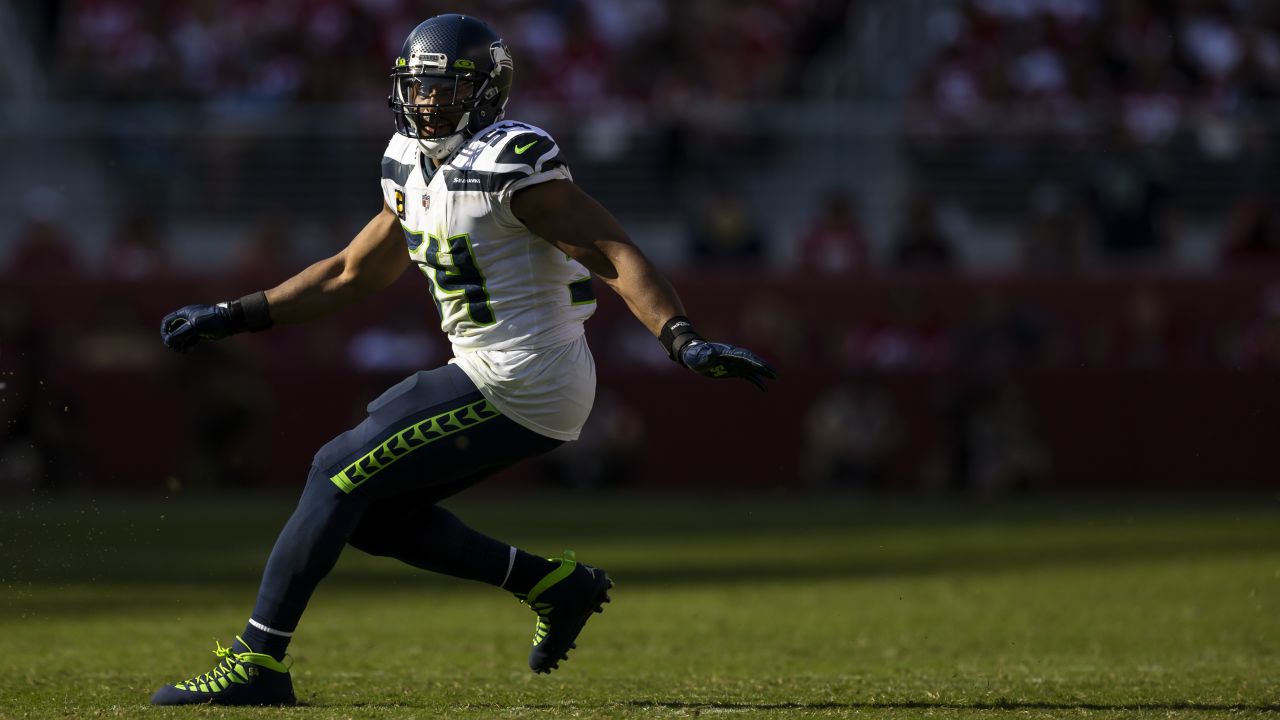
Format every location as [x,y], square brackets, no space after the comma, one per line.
[397,165]
[526,156]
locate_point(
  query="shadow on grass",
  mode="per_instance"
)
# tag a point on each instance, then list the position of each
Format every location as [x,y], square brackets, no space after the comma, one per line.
[928,705]
[144,571]
[713,706]
[74,542]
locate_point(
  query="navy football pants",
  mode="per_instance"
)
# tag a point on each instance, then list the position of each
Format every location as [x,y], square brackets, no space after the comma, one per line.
[376,487]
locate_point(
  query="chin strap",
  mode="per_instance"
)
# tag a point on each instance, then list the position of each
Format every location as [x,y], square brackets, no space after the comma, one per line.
[442,148]
[439,149]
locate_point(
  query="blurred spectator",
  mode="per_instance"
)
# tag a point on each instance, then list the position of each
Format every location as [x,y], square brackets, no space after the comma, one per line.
[1005,452]
[922,244]
[835,243]
[605,455]
[1130,206]
[44,249]
[1152,100]
[724,235]
[1002,333]
[1149,336]
[1038,74]
[1209,40]
[136,249]
[1259,344]
[1133,33]
[1141,335]
[269,252]
[1261,75]
[399,345]
[907,339]
[227,398]
[1052,236]
[115,337]
[955,91]
[768,322]
[631,346]
[851,433]
[995,447]
[1252,239]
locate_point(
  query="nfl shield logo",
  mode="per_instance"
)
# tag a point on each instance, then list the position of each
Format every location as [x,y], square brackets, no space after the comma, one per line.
[426,201]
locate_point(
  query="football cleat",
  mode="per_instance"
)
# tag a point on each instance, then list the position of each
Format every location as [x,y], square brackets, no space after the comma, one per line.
[241,678]
[564,600]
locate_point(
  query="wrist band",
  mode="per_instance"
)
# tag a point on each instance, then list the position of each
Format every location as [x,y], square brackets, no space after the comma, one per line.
[676,333]
[257,316]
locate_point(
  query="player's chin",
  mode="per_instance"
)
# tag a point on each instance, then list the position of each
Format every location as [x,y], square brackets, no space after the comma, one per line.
[440,128]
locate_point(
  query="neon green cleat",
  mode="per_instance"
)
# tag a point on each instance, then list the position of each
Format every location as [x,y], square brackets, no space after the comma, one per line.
[564,600]
[241,678]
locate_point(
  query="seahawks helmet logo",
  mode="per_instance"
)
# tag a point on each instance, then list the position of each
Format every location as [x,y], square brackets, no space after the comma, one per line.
[501,56]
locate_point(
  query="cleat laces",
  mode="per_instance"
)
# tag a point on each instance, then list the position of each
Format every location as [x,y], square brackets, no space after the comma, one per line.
[543,609]
[229,670]
[235,668]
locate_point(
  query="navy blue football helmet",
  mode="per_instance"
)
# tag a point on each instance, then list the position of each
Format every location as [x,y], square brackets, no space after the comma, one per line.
[452,78]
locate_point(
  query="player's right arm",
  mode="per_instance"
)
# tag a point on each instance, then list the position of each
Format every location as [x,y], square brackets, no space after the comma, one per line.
[373,260]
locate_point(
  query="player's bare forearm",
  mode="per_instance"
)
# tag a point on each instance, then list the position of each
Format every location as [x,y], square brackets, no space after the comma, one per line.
[374,259]
[313,293]
[561,213]
[647,293]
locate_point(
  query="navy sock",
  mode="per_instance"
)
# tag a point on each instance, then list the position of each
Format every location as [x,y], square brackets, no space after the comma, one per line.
[261,641]
[526,571]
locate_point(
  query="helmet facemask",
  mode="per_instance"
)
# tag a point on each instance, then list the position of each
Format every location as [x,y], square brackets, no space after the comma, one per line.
[435,107]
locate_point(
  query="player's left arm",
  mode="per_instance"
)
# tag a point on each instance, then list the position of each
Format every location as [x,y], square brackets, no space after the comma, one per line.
[564,215]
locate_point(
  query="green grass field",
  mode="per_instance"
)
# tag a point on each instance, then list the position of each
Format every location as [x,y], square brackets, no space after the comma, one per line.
[761,606]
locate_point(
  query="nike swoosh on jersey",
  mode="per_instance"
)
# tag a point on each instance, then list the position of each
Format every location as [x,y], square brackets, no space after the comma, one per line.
[520,149]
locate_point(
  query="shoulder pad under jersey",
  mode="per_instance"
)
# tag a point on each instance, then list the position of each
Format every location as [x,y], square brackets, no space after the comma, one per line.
[399,159]
[500,155]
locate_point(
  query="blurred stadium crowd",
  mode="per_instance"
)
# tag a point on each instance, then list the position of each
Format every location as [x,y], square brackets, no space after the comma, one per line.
[1071,186]
[1116,122]
[1078,129]
[1008,66]
[322,50]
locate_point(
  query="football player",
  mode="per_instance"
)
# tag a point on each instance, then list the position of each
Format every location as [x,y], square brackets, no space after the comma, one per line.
[487,210]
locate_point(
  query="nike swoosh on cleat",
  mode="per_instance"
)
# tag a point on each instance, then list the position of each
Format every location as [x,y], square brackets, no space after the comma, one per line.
[520,150]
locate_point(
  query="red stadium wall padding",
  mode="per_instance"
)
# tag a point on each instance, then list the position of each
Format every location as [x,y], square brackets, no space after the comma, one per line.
[85,378]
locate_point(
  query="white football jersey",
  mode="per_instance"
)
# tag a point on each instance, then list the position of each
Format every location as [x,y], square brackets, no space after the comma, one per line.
[512,304]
